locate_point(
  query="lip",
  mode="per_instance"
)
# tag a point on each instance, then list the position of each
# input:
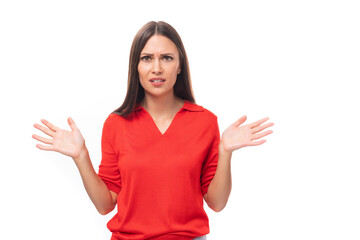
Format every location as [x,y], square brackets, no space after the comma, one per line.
[157,84]
[151,79]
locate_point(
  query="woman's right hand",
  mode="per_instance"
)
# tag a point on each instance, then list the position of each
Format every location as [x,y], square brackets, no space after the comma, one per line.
[71,144]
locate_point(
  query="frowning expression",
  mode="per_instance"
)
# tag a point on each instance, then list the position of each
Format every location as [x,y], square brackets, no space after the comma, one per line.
[159,65]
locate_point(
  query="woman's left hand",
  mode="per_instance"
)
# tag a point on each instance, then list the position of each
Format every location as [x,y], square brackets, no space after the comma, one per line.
[236,136]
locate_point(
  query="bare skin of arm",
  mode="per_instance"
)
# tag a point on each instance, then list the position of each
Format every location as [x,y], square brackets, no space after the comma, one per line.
[233,138]
[72,144]
[103,199]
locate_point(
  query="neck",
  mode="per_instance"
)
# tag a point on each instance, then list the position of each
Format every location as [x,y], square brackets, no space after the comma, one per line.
[160,106]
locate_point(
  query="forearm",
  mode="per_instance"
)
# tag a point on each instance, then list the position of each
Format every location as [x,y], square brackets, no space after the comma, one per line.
[95,187]
[220,186]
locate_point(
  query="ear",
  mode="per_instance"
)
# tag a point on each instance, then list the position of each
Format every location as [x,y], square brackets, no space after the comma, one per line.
[179,70]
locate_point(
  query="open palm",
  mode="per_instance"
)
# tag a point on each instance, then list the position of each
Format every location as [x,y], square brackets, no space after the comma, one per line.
[69,143]
[236,136]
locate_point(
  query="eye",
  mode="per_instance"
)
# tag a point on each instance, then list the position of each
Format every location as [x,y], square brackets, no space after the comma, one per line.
[168,58]
[145,58]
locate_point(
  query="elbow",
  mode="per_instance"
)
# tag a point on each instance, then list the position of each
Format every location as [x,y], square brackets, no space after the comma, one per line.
[216,205]
[105,211]
[218,208]
[102,212]
[213,206]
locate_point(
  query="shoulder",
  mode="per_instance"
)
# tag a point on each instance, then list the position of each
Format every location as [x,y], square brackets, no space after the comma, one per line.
[203,111]
[210,114]
[113,120]
[203,114]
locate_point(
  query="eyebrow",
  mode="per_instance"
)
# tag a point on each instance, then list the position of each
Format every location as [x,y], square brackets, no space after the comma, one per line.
[164,54]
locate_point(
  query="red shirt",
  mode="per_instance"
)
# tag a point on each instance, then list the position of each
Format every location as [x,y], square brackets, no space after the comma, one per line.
[160,178]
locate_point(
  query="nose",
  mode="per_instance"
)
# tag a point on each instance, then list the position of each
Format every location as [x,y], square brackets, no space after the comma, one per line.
[157,66]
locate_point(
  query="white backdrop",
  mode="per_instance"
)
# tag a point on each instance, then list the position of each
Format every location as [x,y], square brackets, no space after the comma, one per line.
[296,62]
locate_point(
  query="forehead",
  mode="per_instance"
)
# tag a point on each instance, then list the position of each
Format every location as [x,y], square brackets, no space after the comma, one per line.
[159,44]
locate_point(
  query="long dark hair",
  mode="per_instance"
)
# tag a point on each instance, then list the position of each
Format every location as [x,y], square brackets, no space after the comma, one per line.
[135,92]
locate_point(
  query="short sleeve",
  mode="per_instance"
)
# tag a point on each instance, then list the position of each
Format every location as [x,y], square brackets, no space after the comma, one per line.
[210,164]
[108,168]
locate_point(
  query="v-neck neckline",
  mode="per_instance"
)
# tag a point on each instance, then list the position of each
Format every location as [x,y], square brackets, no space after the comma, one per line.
[157,130]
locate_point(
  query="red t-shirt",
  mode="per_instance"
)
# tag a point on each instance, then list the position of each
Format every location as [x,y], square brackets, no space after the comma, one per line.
[160,178]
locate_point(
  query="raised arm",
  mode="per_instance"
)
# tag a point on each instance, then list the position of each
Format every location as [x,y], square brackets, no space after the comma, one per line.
[72,144]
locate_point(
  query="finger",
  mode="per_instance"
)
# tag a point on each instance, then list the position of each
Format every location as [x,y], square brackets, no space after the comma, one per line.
[260,128]
[240,121]
[257,123]
[44,147]
[255,143]
[50,125]
[44,129]
[42,139]
[260,135]
[72,123]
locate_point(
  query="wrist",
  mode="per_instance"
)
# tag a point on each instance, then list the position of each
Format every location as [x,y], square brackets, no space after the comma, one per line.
[83,155]
[222,149]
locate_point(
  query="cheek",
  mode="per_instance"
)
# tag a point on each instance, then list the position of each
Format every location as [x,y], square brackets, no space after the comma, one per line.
[141,70]
[174,69]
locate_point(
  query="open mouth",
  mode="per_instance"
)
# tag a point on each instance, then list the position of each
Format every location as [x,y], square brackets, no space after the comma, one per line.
[157,80]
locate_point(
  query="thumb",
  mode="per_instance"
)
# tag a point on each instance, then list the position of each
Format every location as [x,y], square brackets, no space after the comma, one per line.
[240,121]
[72,123]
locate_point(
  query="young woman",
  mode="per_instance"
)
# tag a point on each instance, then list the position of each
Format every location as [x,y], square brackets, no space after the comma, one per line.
[161,152]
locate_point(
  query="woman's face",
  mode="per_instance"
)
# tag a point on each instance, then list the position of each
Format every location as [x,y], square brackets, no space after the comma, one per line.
[159,60]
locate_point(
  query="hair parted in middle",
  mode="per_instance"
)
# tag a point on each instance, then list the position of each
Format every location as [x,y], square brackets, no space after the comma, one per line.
[135,92]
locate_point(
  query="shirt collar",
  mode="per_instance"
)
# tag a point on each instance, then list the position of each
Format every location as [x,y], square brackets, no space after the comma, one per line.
[187,105]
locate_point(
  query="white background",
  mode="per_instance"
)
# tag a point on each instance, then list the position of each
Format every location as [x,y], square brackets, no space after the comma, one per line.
[296,62]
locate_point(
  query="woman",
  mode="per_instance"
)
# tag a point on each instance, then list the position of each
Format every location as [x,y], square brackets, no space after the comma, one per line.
[161,152]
